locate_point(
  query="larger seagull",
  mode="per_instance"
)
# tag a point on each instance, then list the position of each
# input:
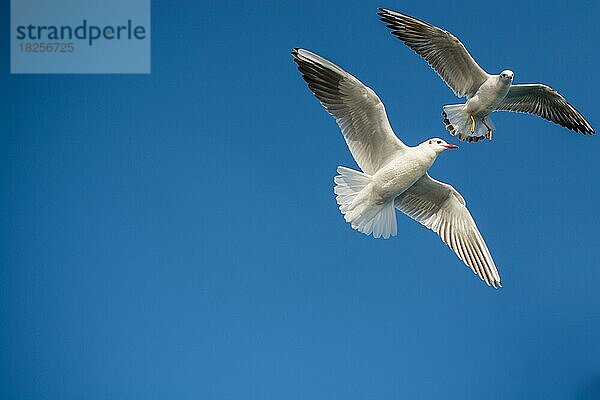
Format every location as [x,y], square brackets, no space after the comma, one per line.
[485,93]
[394,174]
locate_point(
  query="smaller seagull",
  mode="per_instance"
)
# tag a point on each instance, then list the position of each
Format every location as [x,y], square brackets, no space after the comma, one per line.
[485,93]
[394,174]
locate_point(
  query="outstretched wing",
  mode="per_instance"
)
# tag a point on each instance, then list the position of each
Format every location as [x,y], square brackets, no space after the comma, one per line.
[439,207]
[547,103]
[355,107]
[441,49]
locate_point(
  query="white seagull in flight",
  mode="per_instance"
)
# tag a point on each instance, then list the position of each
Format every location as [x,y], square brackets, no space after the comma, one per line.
[485,93]
[394,174]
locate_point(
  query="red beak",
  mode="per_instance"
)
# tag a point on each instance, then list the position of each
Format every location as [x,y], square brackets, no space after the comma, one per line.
[451,146]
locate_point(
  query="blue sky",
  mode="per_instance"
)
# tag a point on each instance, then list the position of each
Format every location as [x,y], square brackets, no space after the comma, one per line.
[175,235]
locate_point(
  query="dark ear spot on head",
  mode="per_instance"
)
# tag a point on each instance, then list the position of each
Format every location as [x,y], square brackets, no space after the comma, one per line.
[430,142]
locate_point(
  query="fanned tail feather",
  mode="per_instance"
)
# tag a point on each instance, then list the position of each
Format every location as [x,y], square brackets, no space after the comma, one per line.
[352,189]
[458,122]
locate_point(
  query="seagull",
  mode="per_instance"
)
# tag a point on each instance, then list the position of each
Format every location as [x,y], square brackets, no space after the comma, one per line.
[485,93]
[393,175]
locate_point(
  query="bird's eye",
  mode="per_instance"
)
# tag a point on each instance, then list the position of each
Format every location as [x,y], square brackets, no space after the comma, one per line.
[439,142]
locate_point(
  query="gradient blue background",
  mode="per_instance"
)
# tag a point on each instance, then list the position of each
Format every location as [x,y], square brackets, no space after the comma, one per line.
[175,235]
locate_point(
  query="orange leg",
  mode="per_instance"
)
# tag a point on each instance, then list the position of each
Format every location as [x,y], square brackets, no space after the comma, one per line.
[472,124]
[489,130]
